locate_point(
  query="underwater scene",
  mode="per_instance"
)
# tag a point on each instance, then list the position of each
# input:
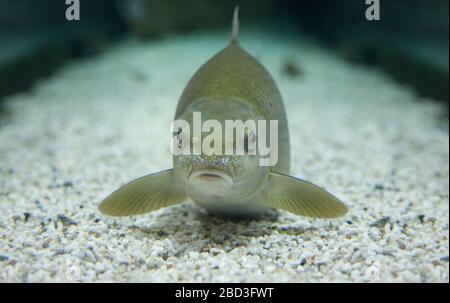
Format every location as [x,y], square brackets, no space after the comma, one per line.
[224,141]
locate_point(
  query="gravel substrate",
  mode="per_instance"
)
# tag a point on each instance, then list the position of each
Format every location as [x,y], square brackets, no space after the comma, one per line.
[100,122]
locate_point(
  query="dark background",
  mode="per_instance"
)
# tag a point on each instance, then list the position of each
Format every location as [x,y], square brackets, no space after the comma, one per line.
[410,41]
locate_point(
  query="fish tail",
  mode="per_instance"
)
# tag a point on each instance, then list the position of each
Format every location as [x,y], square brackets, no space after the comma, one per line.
[235,26]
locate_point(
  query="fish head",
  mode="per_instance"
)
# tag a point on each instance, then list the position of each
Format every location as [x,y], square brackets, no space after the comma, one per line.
[222,161]
[232,177]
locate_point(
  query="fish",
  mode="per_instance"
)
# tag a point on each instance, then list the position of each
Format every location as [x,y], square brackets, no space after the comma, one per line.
[232,85]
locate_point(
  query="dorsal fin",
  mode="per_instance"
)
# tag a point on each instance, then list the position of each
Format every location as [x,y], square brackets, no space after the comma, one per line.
[235,26]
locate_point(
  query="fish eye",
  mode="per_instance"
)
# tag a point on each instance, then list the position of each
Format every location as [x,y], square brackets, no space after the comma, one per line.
[179,137]
[249,138]
[253,137]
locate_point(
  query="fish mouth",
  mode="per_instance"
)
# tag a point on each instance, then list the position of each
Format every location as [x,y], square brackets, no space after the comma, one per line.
[210,175]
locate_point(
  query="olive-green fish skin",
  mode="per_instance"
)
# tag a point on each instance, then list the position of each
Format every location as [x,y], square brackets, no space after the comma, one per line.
[234,86]
[234,73]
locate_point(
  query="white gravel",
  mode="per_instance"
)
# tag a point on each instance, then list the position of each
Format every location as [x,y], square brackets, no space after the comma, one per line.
[103,121]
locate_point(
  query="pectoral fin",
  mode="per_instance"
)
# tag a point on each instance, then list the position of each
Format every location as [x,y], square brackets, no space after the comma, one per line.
[144,195]
[302,198]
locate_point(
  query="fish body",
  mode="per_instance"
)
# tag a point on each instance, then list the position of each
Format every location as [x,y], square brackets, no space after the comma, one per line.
[231,86]
[220,91]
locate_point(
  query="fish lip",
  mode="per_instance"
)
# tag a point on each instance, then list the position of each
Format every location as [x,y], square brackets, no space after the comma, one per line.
[211,174]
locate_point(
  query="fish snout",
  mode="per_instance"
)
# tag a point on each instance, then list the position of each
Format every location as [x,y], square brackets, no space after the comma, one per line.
[210,176]
[210,183]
